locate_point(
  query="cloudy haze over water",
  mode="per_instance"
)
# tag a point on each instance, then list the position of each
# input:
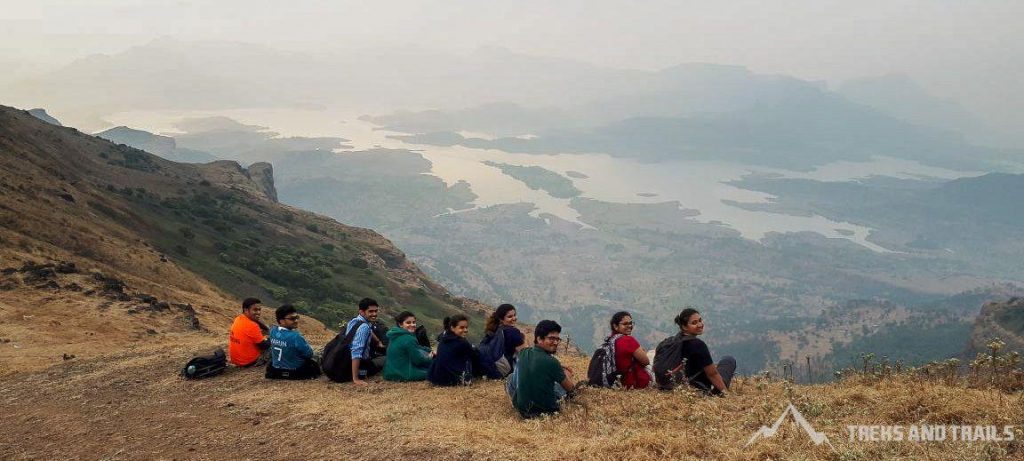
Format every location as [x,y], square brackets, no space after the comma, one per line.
[972,52]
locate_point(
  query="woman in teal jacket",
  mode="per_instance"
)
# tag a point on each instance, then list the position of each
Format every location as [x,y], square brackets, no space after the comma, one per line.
[407,360]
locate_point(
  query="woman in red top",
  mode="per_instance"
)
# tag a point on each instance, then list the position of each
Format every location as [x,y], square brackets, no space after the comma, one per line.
[630,359]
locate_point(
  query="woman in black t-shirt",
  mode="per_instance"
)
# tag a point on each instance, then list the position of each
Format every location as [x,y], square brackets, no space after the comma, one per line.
[701,371]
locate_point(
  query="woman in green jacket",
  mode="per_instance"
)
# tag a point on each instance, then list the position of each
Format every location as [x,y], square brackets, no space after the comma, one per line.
[407,360]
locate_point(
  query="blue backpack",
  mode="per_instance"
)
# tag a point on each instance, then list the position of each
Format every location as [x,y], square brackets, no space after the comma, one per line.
[491,353]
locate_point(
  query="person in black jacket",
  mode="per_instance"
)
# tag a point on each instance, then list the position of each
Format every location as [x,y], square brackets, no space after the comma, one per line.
[701,371]
[453,364]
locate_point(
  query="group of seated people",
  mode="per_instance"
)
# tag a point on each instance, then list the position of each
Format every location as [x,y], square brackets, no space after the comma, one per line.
[535,380]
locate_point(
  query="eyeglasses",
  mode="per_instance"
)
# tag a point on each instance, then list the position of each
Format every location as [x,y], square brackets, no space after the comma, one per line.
[292,317]
[554,339]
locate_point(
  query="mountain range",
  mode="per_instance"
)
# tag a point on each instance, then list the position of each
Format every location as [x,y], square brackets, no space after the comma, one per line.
[497,91]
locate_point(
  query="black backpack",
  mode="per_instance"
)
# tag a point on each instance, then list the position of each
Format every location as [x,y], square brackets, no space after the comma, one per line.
[380,331]
[422,338]
[337,359]
[491,355]
[205,366]
[669,363]
[602,371]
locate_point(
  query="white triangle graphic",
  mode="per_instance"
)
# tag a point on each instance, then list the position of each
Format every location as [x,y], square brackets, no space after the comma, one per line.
[766,432]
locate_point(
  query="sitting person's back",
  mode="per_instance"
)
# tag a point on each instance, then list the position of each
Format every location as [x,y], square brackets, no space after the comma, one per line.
[539,380]
[406,359]
[452,366]
[246,342]
[291,357]
[504,318]
[700,371]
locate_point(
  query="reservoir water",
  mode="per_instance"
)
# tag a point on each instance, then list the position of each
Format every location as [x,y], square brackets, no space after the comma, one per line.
[695,185]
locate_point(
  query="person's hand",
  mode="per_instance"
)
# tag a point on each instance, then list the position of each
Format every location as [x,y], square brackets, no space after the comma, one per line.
[432,354]
[568,371]
[359,382]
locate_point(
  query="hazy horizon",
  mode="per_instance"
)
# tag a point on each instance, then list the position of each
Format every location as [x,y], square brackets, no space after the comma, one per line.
[968,53]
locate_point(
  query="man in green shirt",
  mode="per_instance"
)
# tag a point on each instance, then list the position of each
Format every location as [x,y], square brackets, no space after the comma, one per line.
[539,380]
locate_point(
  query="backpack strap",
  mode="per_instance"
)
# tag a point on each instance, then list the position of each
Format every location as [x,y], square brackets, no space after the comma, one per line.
[611,369]
[683,338]
[352,332]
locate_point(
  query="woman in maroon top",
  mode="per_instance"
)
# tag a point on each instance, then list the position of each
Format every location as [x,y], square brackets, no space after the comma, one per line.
[630,359]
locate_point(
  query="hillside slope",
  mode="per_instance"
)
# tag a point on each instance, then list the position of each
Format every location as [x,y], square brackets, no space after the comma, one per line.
[100,244]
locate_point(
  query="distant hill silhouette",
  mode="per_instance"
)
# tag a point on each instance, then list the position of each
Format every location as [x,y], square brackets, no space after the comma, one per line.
[42,115]
[163,146]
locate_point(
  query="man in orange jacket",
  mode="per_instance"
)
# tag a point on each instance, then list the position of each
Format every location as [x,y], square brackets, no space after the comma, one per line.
[247,341]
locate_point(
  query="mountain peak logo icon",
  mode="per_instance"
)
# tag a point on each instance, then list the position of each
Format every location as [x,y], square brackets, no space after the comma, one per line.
[766,432]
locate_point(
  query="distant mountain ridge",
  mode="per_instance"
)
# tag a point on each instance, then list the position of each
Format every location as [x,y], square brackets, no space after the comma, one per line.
[899,96]
[163,146]
[498,91]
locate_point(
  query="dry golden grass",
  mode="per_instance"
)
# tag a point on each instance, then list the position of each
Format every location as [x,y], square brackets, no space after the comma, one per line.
[131,405]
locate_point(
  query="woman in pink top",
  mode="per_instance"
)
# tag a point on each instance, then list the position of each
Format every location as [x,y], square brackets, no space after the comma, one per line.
[630,358]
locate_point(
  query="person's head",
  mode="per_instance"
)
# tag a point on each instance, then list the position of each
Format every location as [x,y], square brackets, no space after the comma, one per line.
[251,308]
[406,321]
[286,316]
[368,308]
[622,323]
[690,322]
[457,325]
[505,314]
[548,335]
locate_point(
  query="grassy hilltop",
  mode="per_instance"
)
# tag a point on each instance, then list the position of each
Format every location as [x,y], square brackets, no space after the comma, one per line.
[131,406]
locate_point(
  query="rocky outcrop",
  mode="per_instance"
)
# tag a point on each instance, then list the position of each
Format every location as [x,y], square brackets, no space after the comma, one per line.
[257,180]
[262,173]
[999,320]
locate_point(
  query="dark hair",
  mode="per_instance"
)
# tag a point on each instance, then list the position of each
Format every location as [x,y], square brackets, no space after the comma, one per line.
[618,318]
[365,303]
[249,303]
[451,322]
[284,311]
[544,328]
[401,317]
[495,319]
[684,316]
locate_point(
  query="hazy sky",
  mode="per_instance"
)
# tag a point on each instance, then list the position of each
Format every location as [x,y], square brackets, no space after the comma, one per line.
[970,51]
